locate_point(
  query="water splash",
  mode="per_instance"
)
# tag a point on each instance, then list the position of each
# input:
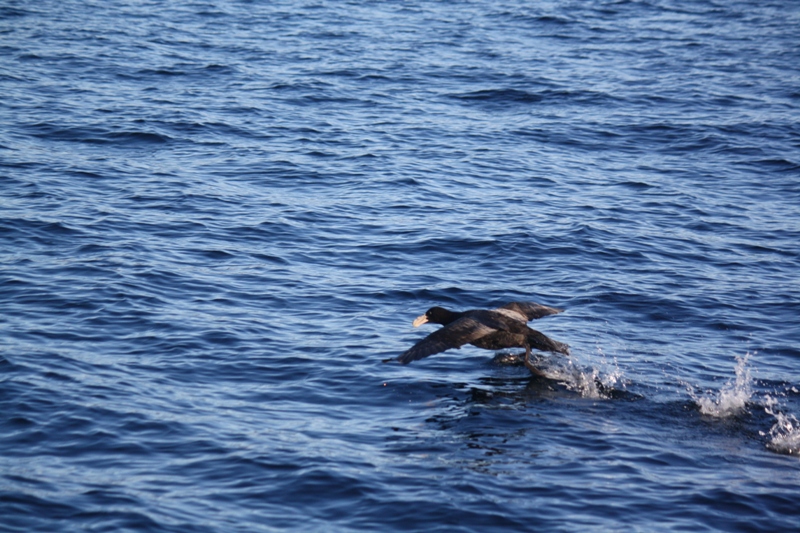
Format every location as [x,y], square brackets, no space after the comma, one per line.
[598,382]
[592,382]
[784,435]
[732,398]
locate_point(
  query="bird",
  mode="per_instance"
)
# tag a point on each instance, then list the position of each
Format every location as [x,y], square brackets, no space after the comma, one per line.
[491,329]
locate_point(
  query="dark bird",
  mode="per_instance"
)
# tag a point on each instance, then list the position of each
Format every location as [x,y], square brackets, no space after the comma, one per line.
[492,329]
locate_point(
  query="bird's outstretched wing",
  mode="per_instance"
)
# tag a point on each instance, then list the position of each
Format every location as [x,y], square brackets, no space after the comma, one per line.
[529,310]
[454,335]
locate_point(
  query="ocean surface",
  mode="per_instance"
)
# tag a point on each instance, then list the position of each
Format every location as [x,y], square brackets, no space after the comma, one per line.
[217,218]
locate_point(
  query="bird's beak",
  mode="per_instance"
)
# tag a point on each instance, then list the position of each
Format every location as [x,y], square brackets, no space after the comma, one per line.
[421,319]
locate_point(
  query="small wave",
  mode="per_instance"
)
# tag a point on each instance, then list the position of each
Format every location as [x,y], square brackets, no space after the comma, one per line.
[779,164]
[500,96]
[11,12]
[134,137]
[517,96]
[96,135]
[732,398]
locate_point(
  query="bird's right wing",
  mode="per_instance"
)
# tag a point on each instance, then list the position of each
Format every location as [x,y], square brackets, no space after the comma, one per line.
[454,335]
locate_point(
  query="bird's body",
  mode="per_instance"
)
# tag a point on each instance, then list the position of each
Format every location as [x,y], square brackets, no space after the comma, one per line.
[491,329]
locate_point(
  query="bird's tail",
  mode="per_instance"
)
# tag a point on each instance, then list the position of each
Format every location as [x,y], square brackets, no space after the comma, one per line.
[542,342]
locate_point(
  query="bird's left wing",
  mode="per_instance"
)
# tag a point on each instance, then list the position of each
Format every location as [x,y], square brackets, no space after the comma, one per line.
[454,335]
[528,310]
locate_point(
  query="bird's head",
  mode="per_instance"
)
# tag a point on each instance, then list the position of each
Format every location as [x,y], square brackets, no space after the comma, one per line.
[436,315]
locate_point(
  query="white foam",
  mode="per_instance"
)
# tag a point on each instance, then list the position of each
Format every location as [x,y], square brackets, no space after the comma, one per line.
[588,382]
[733,397]
[785,433]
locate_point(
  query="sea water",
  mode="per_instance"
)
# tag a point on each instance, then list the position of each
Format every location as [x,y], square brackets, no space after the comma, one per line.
[217,218]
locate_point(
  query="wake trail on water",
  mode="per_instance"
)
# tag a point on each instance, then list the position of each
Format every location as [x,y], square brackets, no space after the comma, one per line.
[731,400]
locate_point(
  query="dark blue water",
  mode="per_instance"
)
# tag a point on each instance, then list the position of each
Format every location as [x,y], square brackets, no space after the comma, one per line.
[218,217]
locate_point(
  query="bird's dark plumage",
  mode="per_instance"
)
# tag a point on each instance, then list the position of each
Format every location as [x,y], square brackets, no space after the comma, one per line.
[492,329]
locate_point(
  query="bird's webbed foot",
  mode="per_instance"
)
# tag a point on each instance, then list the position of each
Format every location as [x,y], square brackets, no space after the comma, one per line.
[529,364]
